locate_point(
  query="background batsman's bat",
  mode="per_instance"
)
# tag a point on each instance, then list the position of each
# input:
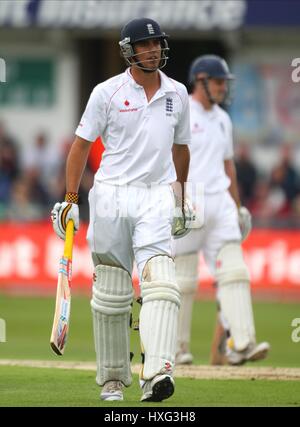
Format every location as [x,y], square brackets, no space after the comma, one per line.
[60,326]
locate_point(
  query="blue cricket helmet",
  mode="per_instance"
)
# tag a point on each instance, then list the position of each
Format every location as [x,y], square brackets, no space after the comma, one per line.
[212,65]
[140,29]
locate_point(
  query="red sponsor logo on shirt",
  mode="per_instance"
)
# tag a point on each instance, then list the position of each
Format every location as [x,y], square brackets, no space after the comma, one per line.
[129,110]
[196,128]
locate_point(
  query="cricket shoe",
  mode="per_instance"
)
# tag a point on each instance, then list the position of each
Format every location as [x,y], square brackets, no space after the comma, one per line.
[252,353]
[184,358]
[112,390]
[159,388]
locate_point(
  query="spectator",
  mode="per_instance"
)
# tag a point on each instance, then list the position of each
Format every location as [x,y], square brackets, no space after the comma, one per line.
[9,164]
[269,204]
[246,174]
[295,216]
[37,192]
[21,207]
[285,176]
[42,158]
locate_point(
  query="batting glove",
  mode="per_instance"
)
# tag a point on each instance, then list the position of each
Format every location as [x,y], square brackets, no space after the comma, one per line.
[182,222]
[62,213]
[245,222]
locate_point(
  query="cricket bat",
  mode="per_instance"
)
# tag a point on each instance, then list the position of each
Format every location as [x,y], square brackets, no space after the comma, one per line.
[60,326]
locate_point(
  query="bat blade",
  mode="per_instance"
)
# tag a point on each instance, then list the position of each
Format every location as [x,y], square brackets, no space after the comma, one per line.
[61,320]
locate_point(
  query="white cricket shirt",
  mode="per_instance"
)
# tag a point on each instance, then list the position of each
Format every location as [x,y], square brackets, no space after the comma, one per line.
[211,144]
[137,135]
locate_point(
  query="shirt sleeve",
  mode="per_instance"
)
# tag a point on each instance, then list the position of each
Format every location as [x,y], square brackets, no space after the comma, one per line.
[229,141]
[183,128]
[93,121]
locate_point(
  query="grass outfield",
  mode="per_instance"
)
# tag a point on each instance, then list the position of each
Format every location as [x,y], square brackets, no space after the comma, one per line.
[28,323]
[58,387]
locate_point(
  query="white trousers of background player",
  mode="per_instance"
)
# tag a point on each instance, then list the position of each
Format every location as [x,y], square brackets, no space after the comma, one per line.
[220,228]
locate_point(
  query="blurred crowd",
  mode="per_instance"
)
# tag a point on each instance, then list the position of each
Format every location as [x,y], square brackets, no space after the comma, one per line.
[32,179]
[274,198]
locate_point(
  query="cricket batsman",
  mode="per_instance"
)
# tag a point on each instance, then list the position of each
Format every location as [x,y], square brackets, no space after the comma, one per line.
[226,223]
[143,119]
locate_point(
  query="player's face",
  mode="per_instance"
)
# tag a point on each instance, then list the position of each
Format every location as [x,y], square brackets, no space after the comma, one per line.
[218,89]
[148,53]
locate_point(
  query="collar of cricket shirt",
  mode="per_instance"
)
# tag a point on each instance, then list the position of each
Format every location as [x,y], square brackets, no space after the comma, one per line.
[166,84]
[210,114]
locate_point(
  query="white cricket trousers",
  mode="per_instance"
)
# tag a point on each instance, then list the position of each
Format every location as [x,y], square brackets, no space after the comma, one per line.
[220,226]
[130,222]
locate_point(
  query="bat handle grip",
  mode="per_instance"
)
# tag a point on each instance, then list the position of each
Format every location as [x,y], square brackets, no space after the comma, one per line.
[69,240]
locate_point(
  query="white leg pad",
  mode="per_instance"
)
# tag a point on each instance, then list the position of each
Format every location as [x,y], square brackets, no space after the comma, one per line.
[187,279]
[111,308]
[234,294]
[222,319]
[159,316]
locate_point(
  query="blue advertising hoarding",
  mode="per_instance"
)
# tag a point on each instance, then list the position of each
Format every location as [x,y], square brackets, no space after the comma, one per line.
[183,15]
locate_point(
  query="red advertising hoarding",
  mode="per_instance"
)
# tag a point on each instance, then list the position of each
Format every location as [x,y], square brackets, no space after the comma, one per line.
[30,253]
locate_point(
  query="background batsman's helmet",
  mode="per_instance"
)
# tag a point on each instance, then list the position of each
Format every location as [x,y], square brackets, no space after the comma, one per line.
[212,65]
[138,30]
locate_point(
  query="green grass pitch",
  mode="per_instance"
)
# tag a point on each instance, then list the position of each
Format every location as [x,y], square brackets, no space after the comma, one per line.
[28,327]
